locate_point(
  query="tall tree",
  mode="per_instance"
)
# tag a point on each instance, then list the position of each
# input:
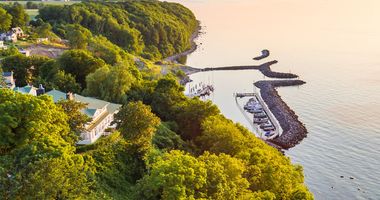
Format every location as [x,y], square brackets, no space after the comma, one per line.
[137,124]
[78,36]
[76,118]
[36,158]
[25,68]
[79,63]
[19,17]
[110,84]
[5,20]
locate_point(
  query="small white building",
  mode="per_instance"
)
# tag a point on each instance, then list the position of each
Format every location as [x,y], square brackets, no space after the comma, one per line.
[100,112]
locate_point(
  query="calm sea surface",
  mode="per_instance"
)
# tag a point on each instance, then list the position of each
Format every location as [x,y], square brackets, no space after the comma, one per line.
[334,45]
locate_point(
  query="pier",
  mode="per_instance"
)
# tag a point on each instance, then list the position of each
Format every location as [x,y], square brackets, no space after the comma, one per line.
[294,130]
[278,130]
[204,90]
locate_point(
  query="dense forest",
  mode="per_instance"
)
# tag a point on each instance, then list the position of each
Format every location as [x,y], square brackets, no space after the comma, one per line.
[165,146]
[149,28]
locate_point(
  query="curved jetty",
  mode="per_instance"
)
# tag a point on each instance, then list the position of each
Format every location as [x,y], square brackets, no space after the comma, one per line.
[264,54]
[263,68]
[293,130]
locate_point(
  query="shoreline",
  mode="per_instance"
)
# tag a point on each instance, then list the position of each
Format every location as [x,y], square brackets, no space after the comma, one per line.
[294,130]
[193,46]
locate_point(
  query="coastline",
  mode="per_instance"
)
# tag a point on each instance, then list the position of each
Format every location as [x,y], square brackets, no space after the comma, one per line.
[294,130]
[193,46]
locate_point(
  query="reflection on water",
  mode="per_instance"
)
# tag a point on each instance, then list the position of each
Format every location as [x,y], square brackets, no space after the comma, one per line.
[335,47]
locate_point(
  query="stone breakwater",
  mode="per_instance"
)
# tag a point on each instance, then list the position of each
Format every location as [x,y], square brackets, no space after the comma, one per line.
[263,68]
[294,131]
[264,54]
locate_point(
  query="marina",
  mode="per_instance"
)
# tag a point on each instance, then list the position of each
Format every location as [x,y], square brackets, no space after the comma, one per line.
[200,90]
[262,120]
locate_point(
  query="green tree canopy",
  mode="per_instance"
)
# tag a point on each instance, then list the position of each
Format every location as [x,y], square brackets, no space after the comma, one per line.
[167,93]
[137,124]
[76,118]
[78,36]
[79,63]
[152,29]
[25,69]
[19,17]
[110,84]
[36,158]
[5,20]
[177,175]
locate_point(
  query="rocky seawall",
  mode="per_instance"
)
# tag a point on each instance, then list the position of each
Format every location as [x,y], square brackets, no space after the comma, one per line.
[294,130]
[263,68]
[264,54]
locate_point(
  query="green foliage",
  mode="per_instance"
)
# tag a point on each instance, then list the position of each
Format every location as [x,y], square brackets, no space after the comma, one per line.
[76,118]
[110,84]
[36,158]
[64,82]
[5,20]
[177,175]
[137,124]
[267,169]
[25,68]
[78,36]
[19,17]
[52,77]
[190,114]
[115,167]
[44,30]
[10,51]
[141,160]
[31,5]
[153,29]
[166,139]
[106,50]
[2,81]
[167,93]
[79,63]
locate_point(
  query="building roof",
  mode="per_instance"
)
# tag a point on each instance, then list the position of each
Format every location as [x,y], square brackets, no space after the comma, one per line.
[93,104]
[7,74]
[28,89]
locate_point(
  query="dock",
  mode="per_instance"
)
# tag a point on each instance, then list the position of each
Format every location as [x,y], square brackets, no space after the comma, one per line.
[256,127]
[204,90]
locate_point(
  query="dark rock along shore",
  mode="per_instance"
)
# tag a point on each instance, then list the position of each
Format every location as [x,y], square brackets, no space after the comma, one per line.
[293,130]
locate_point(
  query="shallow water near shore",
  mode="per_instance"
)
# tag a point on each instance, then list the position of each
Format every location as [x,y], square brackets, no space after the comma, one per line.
[332,45]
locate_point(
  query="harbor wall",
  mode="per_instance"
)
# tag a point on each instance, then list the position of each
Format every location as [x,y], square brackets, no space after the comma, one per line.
[294,130]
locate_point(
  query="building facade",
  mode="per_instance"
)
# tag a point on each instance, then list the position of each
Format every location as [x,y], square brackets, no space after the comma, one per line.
[101,114]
